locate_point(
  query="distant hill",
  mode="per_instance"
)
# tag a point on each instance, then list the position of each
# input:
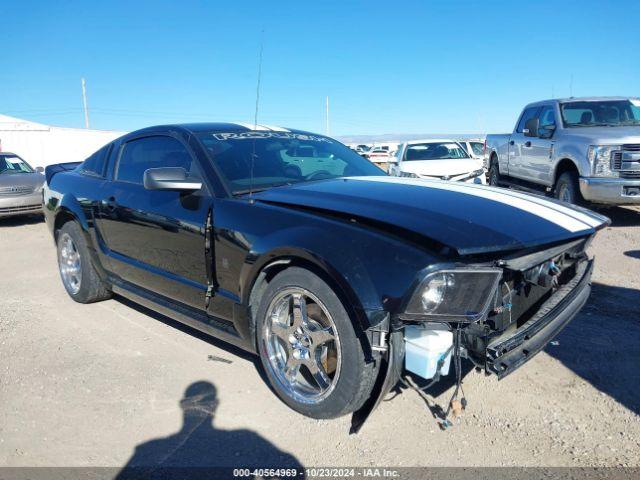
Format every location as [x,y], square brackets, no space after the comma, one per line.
[403,137]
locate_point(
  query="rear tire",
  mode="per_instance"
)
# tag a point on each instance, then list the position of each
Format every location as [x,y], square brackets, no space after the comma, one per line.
[567,188]
[77,271]
[316,366]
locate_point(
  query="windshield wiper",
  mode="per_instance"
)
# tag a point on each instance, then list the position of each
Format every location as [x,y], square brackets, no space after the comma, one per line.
[261,189]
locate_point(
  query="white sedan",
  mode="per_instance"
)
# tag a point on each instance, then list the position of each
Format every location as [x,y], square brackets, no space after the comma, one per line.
[437,159]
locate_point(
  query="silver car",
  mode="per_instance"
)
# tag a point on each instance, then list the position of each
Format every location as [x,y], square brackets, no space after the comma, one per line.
[20,186]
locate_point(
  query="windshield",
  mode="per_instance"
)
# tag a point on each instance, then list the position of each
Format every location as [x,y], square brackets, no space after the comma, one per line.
[13,164]
[281,158]
[435,151]
[611,113]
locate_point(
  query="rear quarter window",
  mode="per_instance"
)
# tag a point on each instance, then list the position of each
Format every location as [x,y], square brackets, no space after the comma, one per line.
[95,164]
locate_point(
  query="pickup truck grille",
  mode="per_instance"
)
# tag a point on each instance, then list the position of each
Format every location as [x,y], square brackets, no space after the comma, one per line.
[14,191]
[627,161]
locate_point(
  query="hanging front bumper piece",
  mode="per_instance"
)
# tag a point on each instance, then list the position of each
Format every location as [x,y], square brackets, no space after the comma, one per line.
[512,349]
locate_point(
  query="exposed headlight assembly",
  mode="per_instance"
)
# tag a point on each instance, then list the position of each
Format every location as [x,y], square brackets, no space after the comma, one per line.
[453,295]
[601,159]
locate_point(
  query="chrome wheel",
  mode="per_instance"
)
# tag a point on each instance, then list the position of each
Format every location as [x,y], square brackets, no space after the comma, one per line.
[302,345]
[69,263]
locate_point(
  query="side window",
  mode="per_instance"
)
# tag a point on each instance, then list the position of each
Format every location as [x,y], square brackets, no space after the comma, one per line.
[527,115]
[478,148]
[547,116]
[94,165]
[152,152]
[464,146]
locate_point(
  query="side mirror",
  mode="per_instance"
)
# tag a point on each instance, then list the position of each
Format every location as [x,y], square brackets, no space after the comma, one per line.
[531,127]
[170,178]
[39,170]
[547,131]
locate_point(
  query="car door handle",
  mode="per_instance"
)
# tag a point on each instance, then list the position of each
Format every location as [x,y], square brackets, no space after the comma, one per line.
[110,204]
[512,143]
[527,144]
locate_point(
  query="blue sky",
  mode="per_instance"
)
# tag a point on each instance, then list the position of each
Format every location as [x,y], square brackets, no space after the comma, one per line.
[388,67]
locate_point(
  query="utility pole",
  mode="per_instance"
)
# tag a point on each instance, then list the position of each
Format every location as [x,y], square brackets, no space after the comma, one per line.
[84,102]
[327,116]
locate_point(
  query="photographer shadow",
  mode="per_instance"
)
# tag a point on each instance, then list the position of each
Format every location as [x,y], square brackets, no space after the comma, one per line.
[199,450]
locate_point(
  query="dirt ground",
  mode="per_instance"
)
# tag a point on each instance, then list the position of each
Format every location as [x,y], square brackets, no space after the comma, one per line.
[101,384]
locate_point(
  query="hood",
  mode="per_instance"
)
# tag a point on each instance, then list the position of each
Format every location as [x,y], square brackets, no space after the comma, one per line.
[24,182]
[467,218]
[604,135]
[440,168]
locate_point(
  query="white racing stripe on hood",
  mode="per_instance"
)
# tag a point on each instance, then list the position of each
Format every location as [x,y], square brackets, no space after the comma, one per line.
[583,217]
[567,221]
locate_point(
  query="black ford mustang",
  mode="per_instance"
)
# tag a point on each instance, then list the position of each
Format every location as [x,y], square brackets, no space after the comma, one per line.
[290,245]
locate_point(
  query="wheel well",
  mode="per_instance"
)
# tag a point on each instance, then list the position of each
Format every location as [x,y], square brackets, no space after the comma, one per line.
[565,165]
[272,269]
[63,217]
[493,158]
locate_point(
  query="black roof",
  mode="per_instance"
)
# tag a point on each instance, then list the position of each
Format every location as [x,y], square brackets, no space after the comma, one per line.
[218,127]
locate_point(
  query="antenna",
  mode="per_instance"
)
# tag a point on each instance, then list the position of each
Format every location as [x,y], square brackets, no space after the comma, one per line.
[255,117]
[84,102]
[571,85]
[327,107]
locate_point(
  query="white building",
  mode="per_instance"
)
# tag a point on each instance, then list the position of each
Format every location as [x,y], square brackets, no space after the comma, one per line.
[42,145]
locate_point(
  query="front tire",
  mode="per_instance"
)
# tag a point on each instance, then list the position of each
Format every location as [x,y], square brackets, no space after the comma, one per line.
[309,348]
[77,271]
[567,188]
[494,173]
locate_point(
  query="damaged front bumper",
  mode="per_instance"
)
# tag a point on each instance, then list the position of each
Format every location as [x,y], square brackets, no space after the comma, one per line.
[498,349]
[511,350]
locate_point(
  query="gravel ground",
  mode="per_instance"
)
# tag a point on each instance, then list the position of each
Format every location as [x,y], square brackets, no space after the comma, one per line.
[101,384]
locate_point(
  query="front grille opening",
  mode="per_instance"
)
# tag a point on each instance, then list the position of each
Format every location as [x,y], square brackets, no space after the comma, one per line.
[525,297]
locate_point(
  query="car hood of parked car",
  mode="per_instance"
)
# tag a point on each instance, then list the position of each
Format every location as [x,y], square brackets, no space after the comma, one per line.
[603,135]
[441,168]
[21,181]
[470,219]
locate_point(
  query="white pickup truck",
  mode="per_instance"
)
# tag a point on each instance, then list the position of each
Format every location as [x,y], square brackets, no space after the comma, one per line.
[578,149]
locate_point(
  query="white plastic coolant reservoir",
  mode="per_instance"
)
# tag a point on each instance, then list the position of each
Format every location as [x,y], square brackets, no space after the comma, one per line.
[424,347]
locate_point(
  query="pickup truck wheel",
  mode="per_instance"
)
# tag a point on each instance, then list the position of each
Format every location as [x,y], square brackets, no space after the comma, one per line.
[567,188]
[309,348]
[79,276]
[494,173]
